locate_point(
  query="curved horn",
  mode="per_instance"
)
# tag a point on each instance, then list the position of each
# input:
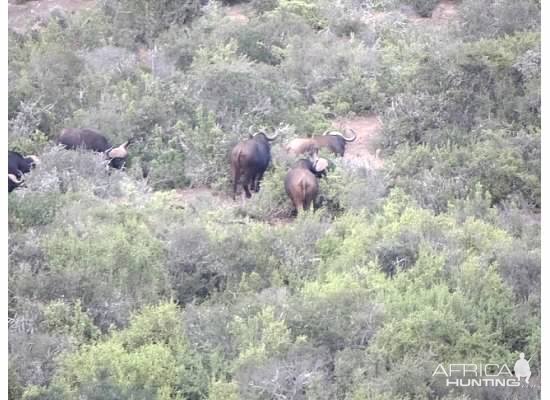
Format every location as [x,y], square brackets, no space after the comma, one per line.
[321,164]
[326,132]
[271,137]
[336,133]
[351,139]
[14,179]
[119,152]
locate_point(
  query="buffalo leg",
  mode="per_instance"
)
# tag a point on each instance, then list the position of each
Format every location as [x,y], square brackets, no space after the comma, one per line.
[246,183]
[256,182]
[247,192]
[235,184]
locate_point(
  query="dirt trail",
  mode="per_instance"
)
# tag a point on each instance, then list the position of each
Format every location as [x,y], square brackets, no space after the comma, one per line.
[23,16]
[363,150]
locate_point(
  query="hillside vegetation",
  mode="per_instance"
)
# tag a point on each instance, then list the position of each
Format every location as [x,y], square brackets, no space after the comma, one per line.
[152,283]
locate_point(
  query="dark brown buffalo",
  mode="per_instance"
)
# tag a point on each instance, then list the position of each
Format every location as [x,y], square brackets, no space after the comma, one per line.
[74,138]
[17,166]
[301,182]
[334,141]
[249,161]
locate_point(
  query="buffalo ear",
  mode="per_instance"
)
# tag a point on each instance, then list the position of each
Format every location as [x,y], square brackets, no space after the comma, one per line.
[321,164]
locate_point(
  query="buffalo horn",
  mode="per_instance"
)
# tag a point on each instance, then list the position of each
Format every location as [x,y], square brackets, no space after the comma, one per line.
[347,139]
[14,179]
[271,137]
[321,164]
[119,152]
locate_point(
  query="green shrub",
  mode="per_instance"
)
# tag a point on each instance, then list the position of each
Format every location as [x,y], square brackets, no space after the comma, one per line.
[237,91]
[207,148]
[142,21]
[24,131]
[358,299]
[335,312]
[32,210]
[348,187]
[347,19]
[189,263]
[307,9]
[111,261]
[424,7]
[272,200]
[50,79]
[262,6]
[69,319]
[150,358]
[264,38]
[497,18]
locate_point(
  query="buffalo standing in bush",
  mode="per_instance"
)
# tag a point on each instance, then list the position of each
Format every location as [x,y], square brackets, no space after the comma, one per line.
[332,140]
[73,138]
[17,166]
[249,160]
[301,182]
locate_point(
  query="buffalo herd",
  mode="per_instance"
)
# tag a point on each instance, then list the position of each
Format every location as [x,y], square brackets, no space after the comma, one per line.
[249,160]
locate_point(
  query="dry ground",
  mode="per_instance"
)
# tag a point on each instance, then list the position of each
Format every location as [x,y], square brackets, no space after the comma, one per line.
[362,151]
[238,13]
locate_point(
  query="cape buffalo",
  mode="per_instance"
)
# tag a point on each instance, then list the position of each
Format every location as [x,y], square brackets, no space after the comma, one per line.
[332,140]
[17,166]
[301,182]
[73,138]
[249,160]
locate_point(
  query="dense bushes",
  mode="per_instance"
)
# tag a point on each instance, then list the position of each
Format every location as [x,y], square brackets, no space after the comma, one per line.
[496,18]
[140,22]
[151,282]
[233,267]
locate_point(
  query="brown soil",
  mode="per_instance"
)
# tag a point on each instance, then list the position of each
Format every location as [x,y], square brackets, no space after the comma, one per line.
[362,151]
[445,11]
[237,13]
[23,16]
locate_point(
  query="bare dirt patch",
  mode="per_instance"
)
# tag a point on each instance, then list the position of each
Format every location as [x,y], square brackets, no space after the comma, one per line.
[445,11]
[23,16]
[363,150]
[238,13]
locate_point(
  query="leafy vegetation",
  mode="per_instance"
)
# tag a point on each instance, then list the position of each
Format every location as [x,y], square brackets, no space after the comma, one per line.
[152,283]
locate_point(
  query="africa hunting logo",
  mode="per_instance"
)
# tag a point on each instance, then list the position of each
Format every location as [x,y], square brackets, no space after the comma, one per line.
[494,375]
